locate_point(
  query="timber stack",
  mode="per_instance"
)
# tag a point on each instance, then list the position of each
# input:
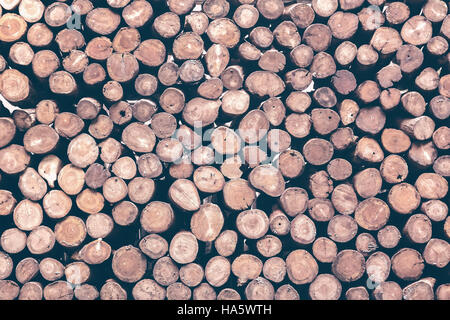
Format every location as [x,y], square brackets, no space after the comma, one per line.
[224,149]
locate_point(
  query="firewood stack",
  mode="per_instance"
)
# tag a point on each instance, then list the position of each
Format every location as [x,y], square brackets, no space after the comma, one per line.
[224,149]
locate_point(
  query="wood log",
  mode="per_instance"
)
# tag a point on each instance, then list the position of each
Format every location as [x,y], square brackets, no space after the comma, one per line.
[51,269]
[13,240]
[129,264]
[44,63]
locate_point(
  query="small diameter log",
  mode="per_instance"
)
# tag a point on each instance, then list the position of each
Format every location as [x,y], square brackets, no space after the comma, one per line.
[125,213]
[39,35]
[318,151]
[320,184]
[129,264]
[157,217]
[378,267]
[417,30]
[294,201]
[99,225]
[226,242]
[422,154]
[349,265]
[102,21]
[149,165]
[441,166]
[366,56]
[342,138]
[197,22]
[86,292]
[191,274]
[436,253]
[357,293]
[167,25]
[46,111]
[70,232]
[27,215]
[443,292]
[395,141]
[260,289]
[146,84]
[204,292]
[185,195]
[31,185]
[13,27]
[228,294]
[31,291]
[114,189]
[183,247]
[418,228]
[301,267]
[41,240]
[178,291]
[431,186]
[325,287]
[365,243]
[269,246]
[420,290]
[324,250]
[344,199]
[24,119]
[345,53]
[49,168]
[68,125]
[342,228]
[207,115]
[102,126]
[95,252]
[154,246]
[71,179]
[246,267]
[14,85]
[165,271]
[286,292]
[6,265]
[389,236]
[367,182]
[388,290]
[21,53]
[404,198]
[147,289]
[407,264]
[217,271]
[394,169]
[253,223]
[69,39]
[368,149]
[13,159]
[291,163]
[9,290]
[436,210]
[207,223]
[339,169]
[58,290]
[111,290]
[51,269]
[90,201]
[13,240]
[77,273]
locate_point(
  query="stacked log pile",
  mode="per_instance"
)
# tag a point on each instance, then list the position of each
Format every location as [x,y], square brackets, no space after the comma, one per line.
[242,149]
